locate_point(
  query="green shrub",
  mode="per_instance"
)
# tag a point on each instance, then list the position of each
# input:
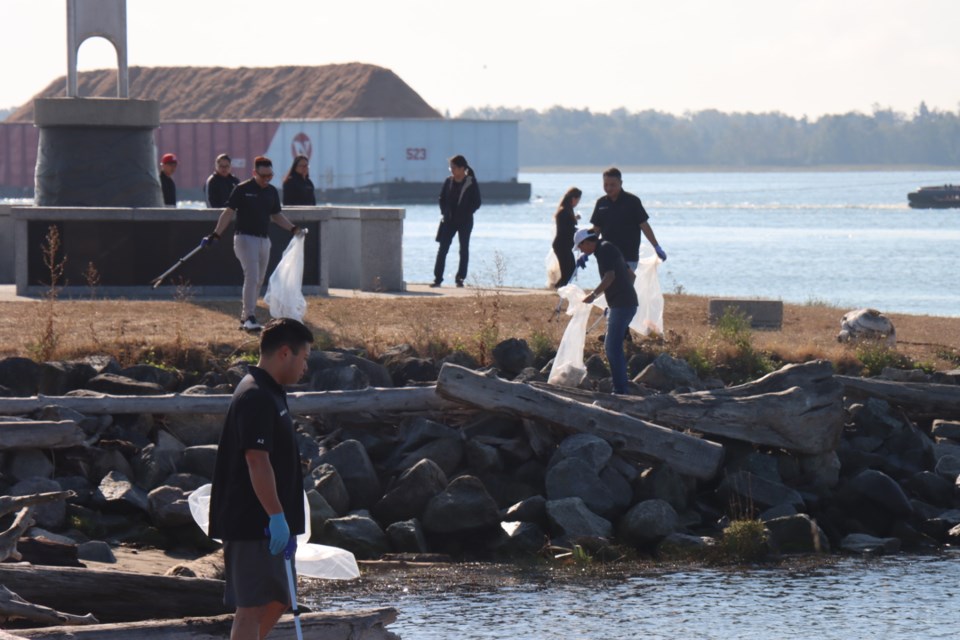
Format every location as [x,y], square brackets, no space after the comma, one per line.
[876,356]
[744,541]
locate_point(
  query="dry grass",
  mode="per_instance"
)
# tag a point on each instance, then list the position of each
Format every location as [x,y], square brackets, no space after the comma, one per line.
[185,333]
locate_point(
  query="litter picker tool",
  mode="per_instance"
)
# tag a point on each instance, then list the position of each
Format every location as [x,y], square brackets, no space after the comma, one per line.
[292,584]
[159,279]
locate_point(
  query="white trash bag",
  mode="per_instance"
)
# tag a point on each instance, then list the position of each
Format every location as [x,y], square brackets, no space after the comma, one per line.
[285,287]
[553,268]
[568,369]
[313,560]
[649,317]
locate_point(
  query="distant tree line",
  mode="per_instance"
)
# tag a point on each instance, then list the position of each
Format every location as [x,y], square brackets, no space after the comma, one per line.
[561,136]
[5,112]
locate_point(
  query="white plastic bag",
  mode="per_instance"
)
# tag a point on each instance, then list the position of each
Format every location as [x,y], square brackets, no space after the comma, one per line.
[553,268]
[284,289]
[568,368]
[649,317]
[313,560]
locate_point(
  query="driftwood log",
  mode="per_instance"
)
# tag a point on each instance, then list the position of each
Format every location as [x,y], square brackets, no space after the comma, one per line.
[798,408]
[365,402]
[13,606]
[918,399]
[685,453]
[114,596]
[363,624]
[40,434]
[24,519]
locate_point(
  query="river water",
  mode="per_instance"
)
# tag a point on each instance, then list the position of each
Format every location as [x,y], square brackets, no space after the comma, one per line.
[851,598]
[843,238]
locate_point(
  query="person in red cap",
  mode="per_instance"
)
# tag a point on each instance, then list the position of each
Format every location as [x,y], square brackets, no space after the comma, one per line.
[168,166]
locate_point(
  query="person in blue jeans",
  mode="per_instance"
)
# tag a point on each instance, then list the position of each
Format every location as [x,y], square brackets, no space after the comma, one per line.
[616,283]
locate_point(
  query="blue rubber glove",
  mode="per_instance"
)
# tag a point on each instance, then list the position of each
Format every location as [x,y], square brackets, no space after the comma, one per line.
[582,261]
[209,240]
[660,252]
[279,533]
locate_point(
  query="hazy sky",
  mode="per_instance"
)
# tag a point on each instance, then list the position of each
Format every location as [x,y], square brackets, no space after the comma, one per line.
[799,57]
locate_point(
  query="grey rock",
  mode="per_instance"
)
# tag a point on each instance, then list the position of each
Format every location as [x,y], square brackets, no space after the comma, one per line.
[357,534]
[195,428]
[778,511]
[346,378]
[116,494]
[882,491]
[593,451]
[51,515]
[952,516]
[522,539]
[123,386]
[482,458]
[79,485]
[96,551]
[154,463]
[530,374]
[169,380]
[29,463]
[320,510]
[870,545]
[326,480]
[596,367]
[946,429]
[574,478]
[648,522]
[759,464]
[948,467]
[58,378]
[821,470]
[570,518]
[361,370]
[461,358]
[749,489]
[410,495]
[681,543]
[200,459]
[666,373]
[356,470]
[110,460]
[38,533]
[20,375]
[512,356]
[797,534]
[446,454]
[465,505]
[946,447]
[187,481]
[403,371]
[407,537]
[904,375]
[169,507]
[930,487]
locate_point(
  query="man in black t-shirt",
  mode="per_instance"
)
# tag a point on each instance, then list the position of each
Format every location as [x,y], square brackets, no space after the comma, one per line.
[256,503]
[616,284]
[256,203]
[620,217]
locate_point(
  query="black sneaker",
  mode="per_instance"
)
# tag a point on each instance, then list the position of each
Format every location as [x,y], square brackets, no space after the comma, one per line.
[251,324]
[460,284]
[434,285]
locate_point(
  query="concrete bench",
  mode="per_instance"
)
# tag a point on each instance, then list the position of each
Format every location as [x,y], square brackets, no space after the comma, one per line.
[763,314]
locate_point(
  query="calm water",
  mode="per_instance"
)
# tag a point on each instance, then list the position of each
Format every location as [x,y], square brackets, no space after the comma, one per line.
[898,597]
[846,238]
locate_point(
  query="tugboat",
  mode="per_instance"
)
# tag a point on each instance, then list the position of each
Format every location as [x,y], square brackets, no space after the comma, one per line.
[945,197]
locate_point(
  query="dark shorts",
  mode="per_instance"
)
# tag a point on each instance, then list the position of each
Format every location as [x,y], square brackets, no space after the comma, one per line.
[254,577]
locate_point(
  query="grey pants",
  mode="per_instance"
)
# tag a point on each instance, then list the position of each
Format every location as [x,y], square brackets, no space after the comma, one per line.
[253,252]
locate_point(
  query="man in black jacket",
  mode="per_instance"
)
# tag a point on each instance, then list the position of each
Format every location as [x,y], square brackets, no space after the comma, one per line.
[221,182]
[168,166]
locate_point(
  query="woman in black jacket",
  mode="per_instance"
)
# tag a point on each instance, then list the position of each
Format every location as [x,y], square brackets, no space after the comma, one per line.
[566,223]
[459,199]
[297,186]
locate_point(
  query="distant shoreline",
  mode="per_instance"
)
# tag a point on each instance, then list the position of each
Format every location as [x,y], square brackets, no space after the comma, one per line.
[833,168]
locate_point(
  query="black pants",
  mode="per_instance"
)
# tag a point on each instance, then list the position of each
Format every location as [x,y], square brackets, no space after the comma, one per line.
[445,235]
[567,263]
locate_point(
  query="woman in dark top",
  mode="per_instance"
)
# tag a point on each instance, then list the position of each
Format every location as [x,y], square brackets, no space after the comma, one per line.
[297,186]
[459,199]
[566,222]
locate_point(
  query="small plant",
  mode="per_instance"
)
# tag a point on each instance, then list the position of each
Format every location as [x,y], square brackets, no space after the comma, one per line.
[92,276]
[48,340]
[542,346]
[744,541]
[729,347]
[948,354]
[487,311]
[875,357]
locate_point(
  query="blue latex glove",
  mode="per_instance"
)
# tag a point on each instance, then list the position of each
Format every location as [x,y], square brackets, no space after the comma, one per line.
[582,261]
[279,533]
[660,252]
[209,240]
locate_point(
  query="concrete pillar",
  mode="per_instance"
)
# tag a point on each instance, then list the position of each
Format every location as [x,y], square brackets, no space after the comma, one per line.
[97,18]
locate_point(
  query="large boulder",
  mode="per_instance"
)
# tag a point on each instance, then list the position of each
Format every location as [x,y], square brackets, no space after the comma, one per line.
[875,502]
[752,490]
[422,438]
[570,518]
[664,483]
[360,535]
[867,325]
[412,492]
[195,428]
[407,537]
[169,379]
[356,470]
[869,545]
[512,356]
[465,505]
[322,372]
[200,459]
[404,371]
[29,463]
[797,534]
[59,378]
[20,375]
[648,522]
[168,507]
[116,494]
[118,385]
[667,373]
[51,515]
[593,451]
[532,509]
[157,461]
[326,481]
[574,478]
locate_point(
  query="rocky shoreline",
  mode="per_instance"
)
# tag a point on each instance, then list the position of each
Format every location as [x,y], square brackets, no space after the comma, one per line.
[451,478]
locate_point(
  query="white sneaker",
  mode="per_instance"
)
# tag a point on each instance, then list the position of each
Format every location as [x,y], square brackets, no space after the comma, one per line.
[251,324]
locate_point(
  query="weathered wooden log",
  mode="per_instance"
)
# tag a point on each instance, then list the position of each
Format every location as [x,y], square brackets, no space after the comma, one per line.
[114,596]
[9,504]
[9,538]
[686,454]
[798,408]
[917,399]
[372,401]
[363,624]
[13,606]
[40,434]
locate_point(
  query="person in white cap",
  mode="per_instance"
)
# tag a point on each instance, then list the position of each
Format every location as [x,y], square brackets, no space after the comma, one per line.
[616,284]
